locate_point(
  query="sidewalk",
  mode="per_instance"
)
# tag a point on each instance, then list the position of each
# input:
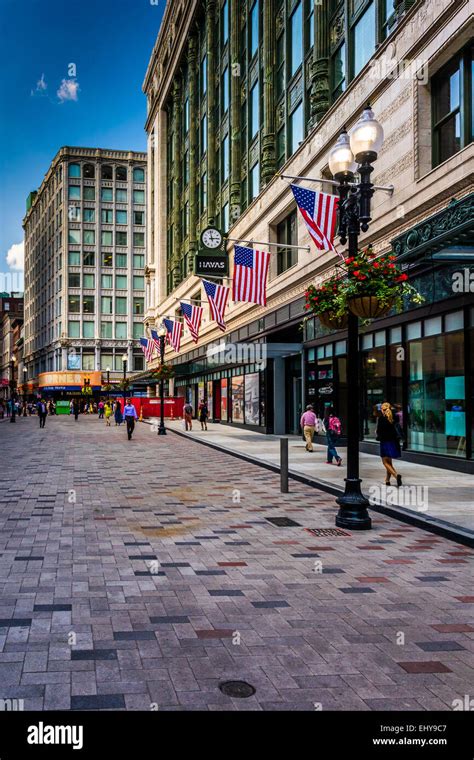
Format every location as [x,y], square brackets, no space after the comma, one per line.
[431,494]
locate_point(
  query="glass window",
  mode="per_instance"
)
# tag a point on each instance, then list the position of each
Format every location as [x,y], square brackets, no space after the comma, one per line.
[120,305]
[88,329]
[120,238]
[121,330]
[203,192]
[225,89]
[74,280]
[106,362]
[138,175]
[287,232]
[252,399]
[379,338]
[88,280]
[414,330]
[88,304]
[254,182]
[107,172]
[74,304]
[107,260]
[89,237]
[340,347]
[138,261]
[296,38]
[280,65]
[88,258]
[139,196]
[74,258]
[106,332]
[203,134]
[89,193]
[139,218]
[367,341]
[374,388]
[186,116]
[108,216]
[88,360]
[432,326]
[452,106]
[253,31]
[225,23]
[138,305]
[138,363]
[121,281]
[138,282]
[203,76]
[121,260]
[74,192]
[225,218]
[254,111]
[89,171]
[74,170]
[74,329]
[396,335]
[225,157]
[338,73]
[138,239]
[364,38]
[107,237]
[121,173]
[121,217]
[454,321]
[106,282]
[106,305]
[296,129]
[107,194]
[237,408]
[89,214]
[137,330]
[121,195]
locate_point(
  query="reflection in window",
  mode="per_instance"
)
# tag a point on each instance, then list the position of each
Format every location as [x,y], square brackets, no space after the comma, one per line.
[452,98]
[296,37]
[364,38]
[107,172]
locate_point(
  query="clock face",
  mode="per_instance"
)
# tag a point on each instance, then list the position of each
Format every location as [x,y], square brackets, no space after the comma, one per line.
[211,238]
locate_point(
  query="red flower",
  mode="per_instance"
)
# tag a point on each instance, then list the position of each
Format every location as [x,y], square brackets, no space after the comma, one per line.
[375,265]
[391,266]
[349,260]
[402,278]
[356,272]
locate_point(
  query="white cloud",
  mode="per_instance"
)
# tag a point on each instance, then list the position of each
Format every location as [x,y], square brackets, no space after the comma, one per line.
[16,257]
[41,86]
[68,90]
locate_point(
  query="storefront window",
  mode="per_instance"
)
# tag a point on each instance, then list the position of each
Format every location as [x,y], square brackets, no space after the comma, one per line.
[209,399]
[436,395]
[373,388]
[238,399]
[224,404]
[252,412]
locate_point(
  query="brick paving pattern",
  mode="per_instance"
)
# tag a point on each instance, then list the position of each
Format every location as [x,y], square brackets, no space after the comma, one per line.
[157,584]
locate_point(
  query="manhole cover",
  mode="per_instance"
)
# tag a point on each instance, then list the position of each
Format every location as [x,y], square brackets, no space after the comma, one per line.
[327,532]
[283,522]
[240,689]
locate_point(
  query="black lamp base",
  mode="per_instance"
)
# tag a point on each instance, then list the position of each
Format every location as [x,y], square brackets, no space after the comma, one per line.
[161,430]
[353,514]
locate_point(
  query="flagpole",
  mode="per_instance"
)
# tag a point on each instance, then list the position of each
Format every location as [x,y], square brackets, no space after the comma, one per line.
[385,188]
[261,242]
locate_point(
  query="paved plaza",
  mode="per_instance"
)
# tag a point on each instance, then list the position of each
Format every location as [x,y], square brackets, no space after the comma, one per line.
[143,575]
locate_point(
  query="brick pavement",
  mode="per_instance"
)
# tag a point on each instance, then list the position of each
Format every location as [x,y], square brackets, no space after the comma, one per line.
[164,578]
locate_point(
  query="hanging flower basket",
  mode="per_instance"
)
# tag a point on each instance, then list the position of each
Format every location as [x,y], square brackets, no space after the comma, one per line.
[369,307]
[163,372]
[333,321]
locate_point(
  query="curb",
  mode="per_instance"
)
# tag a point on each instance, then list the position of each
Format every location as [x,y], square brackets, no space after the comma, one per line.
[430,524]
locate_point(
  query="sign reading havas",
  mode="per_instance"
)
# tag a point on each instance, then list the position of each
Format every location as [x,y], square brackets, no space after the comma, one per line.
[212,264]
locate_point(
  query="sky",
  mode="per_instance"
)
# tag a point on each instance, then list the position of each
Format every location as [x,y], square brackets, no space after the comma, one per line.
[71,73]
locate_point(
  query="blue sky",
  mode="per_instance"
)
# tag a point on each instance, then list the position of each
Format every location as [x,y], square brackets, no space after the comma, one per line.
[109,42]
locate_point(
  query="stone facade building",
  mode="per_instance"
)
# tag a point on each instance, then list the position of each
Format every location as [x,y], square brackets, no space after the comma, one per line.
[240,92]
[85,237]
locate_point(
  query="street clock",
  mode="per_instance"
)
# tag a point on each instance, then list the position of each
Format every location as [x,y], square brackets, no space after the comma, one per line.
[211,238]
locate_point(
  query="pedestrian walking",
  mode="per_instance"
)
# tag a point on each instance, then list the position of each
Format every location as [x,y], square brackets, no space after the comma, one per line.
[332,426]
[101,410]
[203,414]
[188,416]
[308,425]
[118,413]
[389,433]
[71,407]
[2,410]
[42,412]
[75,409]
[130,415]
[108,412]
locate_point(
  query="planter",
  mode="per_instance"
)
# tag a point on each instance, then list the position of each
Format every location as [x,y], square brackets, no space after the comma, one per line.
[368,307]
[328,319]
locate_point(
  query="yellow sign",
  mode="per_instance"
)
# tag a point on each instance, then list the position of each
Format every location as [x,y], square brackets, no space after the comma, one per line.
[61,379]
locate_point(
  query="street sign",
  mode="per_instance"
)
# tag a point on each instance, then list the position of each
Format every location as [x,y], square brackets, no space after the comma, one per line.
[212,264]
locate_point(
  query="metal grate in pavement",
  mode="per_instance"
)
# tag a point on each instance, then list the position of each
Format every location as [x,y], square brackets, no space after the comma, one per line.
[283,522]
[327,532]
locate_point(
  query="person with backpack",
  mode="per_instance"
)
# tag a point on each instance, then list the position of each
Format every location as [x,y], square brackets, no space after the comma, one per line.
[188,416]
[203,414]
[333,433]
[390,435]
[42,412]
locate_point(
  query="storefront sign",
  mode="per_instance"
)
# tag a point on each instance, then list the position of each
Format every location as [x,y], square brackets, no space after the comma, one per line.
[212,265]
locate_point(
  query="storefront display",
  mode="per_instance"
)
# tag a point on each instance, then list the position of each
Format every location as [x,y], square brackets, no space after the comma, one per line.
[252,412]
[237,409]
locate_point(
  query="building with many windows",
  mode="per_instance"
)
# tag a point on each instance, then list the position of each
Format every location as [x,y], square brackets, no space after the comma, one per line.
[11,321]
[242,91]
[85,237]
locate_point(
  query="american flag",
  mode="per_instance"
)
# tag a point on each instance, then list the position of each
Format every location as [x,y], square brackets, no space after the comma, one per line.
[250,275]
[319,211]
[217,295]
[156,341]
[175,330]
[192,316]
[147,347]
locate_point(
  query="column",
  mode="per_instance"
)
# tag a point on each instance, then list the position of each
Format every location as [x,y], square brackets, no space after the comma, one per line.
[193,147]
[234,125]
[319,98]
[176,254]
[268,139]
[212,72]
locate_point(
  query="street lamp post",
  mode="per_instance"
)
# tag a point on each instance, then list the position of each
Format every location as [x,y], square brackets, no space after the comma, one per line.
[12,389]
[124,362]
[25,375]
[349,155]
[161,335]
